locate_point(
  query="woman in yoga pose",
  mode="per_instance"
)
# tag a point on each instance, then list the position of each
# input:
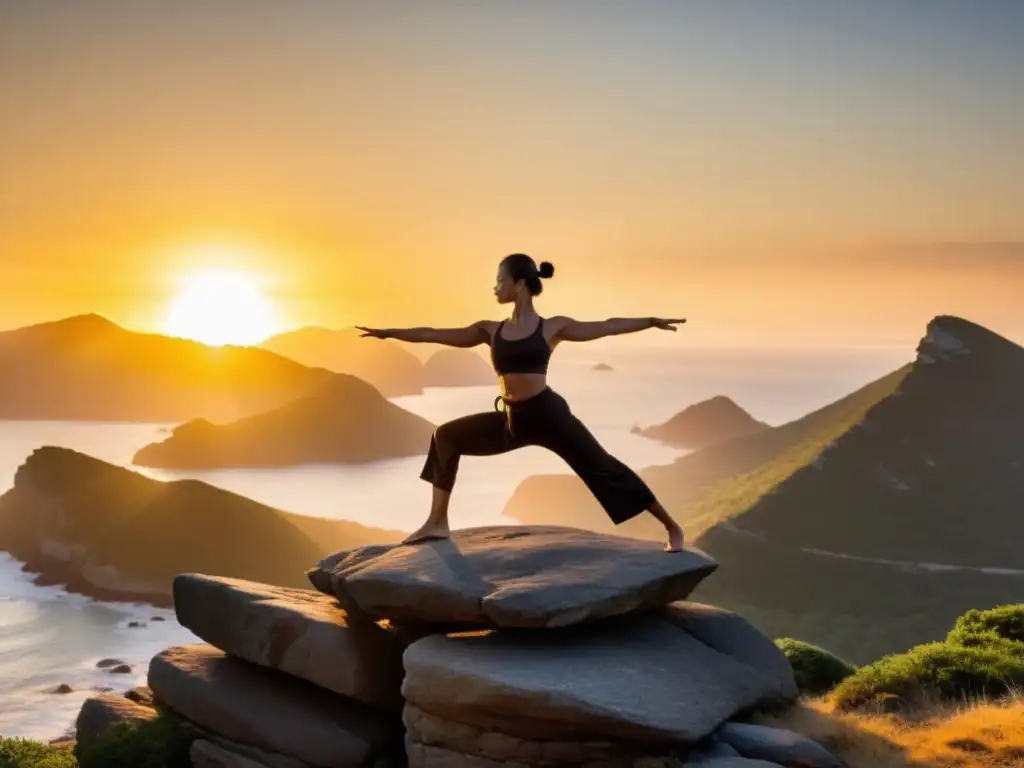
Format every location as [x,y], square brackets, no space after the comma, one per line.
[528,411]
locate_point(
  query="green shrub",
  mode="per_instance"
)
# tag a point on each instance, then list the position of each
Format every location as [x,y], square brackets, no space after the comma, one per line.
[945,670]
[816,670]
[23,753]
[996,626]
[159,743]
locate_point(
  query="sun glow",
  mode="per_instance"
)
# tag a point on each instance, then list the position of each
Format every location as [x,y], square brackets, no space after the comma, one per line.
[221,306]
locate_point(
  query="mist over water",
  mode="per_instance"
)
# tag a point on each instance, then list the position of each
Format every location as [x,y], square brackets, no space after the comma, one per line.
[48,637]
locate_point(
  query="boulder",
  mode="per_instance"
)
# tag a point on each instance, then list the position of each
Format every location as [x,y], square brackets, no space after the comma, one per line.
[268,709]
[643,679]
[298,631]
[511,576]
[777,745]
[107,710]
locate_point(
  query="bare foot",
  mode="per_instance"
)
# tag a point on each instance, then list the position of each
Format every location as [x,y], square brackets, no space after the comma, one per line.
[675,540]
[432,529]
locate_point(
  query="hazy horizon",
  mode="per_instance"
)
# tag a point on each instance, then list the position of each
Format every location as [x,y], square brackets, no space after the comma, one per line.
[776,173]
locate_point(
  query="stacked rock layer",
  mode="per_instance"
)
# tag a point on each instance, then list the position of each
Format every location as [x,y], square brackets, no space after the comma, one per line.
[500,647]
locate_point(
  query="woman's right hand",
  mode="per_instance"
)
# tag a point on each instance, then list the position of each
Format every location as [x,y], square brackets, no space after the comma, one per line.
[376,333]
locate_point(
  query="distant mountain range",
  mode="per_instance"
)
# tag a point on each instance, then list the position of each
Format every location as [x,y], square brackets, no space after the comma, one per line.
[871,523]
[346,420]
[88,368]
[388,365]
[112,533]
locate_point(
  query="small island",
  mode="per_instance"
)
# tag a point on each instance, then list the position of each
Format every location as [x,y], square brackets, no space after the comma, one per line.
[457,368]
[709,421]
[346,421]
[603,367]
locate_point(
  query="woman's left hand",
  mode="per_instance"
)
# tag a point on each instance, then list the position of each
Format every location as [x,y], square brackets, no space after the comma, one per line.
[667,325]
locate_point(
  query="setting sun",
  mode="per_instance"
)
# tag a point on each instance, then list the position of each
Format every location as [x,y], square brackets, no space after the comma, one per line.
[221,306]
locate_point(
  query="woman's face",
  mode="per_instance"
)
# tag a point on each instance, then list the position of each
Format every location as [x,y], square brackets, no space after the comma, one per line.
[505,287]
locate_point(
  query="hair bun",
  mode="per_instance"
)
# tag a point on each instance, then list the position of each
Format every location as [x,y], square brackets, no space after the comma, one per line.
[547,269]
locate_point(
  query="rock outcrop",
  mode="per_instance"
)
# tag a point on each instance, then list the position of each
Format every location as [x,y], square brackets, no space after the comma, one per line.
[573,683]
[602,675]
[345,421]
[511,576]
[108,710]
[294,631]
[267,709]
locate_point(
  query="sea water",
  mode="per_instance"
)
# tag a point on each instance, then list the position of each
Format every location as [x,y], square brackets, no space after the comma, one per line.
[49,637]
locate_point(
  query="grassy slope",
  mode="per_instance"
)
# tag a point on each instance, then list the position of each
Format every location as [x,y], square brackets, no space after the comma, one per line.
[713,484]
[972,735]
[949,435]
[936,474]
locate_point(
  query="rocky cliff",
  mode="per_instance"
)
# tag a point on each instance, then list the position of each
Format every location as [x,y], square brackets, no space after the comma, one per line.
[106,531]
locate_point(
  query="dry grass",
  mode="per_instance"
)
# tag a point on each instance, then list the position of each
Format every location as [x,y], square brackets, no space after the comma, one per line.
[981,734]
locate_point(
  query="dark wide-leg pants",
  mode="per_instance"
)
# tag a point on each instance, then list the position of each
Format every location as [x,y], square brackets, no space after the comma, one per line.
[544,420]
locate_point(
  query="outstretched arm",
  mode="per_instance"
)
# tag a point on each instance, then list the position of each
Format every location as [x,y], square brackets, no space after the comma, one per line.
[568,329]
[470,336]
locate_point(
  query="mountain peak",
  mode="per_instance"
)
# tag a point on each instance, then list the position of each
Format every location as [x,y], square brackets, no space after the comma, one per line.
[949,337]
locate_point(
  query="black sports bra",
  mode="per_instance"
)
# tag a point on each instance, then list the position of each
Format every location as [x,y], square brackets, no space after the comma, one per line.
[527,355]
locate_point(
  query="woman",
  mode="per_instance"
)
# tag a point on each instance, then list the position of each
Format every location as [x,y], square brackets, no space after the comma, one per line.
[531,412]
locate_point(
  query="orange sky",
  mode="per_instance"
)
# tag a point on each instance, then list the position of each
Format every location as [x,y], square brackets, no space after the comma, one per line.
[771,175]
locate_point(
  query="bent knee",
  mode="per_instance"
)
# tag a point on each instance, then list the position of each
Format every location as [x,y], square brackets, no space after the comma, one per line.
[446,434]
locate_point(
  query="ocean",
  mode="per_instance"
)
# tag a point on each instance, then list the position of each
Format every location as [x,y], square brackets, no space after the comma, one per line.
[49,637]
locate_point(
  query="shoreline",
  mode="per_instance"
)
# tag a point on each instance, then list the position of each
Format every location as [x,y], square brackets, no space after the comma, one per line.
[51,572]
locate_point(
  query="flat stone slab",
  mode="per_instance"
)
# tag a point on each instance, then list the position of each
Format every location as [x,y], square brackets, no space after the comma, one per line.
[428,737]
[298,631]
[644,679]
[511,576]
[268,709]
